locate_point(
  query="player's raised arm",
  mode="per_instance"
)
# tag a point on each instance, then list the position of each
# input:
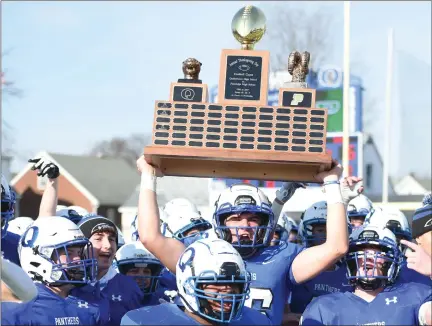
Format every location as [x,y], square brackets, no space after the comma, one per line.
[312,261]
[49,199]
[167,250]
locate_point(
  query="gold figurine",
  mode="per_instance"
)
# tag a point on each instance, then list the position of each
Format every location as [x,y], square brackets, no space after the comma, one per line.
[191,68]
[248,26]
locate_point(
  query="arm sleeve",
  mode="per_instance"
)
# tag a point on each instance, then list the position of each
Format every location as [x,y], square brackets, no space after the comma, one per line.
[312,315]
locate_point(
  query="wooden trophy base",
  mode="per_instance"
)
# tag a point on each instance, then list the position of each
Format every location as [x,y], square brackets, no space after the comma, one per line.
[237,164]
[238,141]
[243,77]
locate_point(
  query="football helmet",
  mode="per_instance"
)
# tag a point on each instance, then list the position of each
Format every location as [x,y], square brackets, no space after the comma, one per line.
[238,199]
[80,210]
[359,207]
[313,216]
[135,255]
[69,213]
[7,205]
[19,224]
[181,216]
[384,262]
[393,219]
[51,237]
[212,262]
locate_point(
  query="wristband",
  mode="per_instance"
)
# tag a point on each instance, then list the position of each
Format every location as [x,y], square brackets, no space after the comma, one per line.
[148,182]
[331,182]
[333,193]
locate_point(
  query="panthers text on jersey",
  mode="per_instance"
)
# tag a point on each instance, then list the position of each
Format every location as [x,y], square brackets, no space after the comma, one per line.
[122,292]
[325,283]
[271,278]
[395,305]
[47,308]
[9,247]
[171,314]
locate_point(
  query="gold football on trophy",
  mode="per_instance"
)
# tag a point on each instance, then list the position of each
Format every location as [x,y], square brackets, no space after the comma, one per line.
[248,26]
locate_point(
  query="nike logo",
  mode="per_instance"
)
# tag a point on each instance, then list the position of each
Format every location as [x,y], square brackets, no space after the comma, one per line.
[428,223]
[267,262]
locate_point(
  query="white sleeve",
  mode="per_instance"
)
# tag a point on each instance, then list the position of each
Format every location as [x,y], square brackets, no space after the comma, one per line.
[424,315]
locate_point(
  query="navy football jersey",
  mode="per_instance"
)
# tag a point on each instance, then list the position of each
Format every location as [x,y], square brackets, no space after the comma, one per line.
[171,314]
[167,281]
[325,283]
[9,247]
[396,305]
[407,275]
[47,308]
[122,293]
[91,295]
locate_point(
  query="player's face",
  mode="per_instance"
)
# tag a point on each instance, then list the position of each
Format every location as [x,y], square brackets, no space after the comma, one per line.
[104,248]
[356,221]
[293,237]
[138,273]
[220,289]
[373,265]
[194,231]
[243,221]
[62,256]
[425,241]
[320,232]
[276,237]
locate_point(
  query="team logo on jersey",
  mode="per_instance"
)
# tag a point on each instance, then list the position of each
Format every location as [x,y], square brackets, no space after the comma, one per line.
[67,321]
[82,304]
[116,298]
[388,301]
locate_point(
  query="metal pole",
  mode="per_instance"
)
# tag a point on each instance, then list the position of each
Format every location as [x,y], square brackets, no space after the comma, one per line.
[346,88]
[387,121]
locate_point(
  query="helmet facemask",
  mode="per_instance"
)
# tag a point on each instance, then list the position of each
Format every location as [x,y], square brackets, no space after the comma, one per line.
[67,270]
[201,225]
[224,306]
[147,283]
[372,264]
[309,236]
[7,208]
[262,234]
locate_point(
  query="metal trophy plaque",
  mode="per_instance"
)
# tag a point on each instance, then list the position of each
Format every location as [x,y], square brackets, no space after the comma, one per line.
[241,136]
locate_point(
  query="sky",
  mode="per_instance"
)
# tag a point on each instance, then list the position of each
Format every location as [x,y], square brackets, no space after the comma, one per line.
[90,71]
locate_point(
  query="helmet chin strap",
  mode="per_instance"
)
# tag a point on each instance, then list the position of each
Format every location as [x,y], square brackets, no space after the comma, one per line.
[371,285]
[245,252]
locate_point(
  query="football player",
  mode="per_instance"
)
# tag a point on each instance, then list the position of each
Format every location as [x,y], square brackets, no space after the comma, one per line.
[182,219]
[243,216]
[358,208]
[9,240]
[312,231]
[19,224]
[122,291]
[418,257]
[213,285]
[396,221]
[137,262]
[372,264]
[56,255]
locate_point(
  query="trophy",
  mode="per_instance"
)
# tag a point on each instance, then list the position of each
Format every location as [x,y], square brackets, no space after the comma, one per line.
[190,88]
[244,73]
[240,136]
[296,93]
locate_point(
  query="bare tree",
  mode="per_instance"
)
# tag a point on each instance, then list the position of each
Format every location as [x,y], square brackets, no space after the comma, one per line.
[129,148]
[290,29]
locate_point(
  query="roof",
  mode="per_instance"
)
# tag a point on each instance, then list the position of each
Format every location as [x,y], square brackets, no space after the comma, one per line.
[110,180]
[424,182]
[194,189]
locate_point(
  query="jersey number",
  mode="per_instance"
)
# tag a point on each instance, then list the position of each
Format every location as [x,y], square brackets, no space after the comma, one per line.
[262,296]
